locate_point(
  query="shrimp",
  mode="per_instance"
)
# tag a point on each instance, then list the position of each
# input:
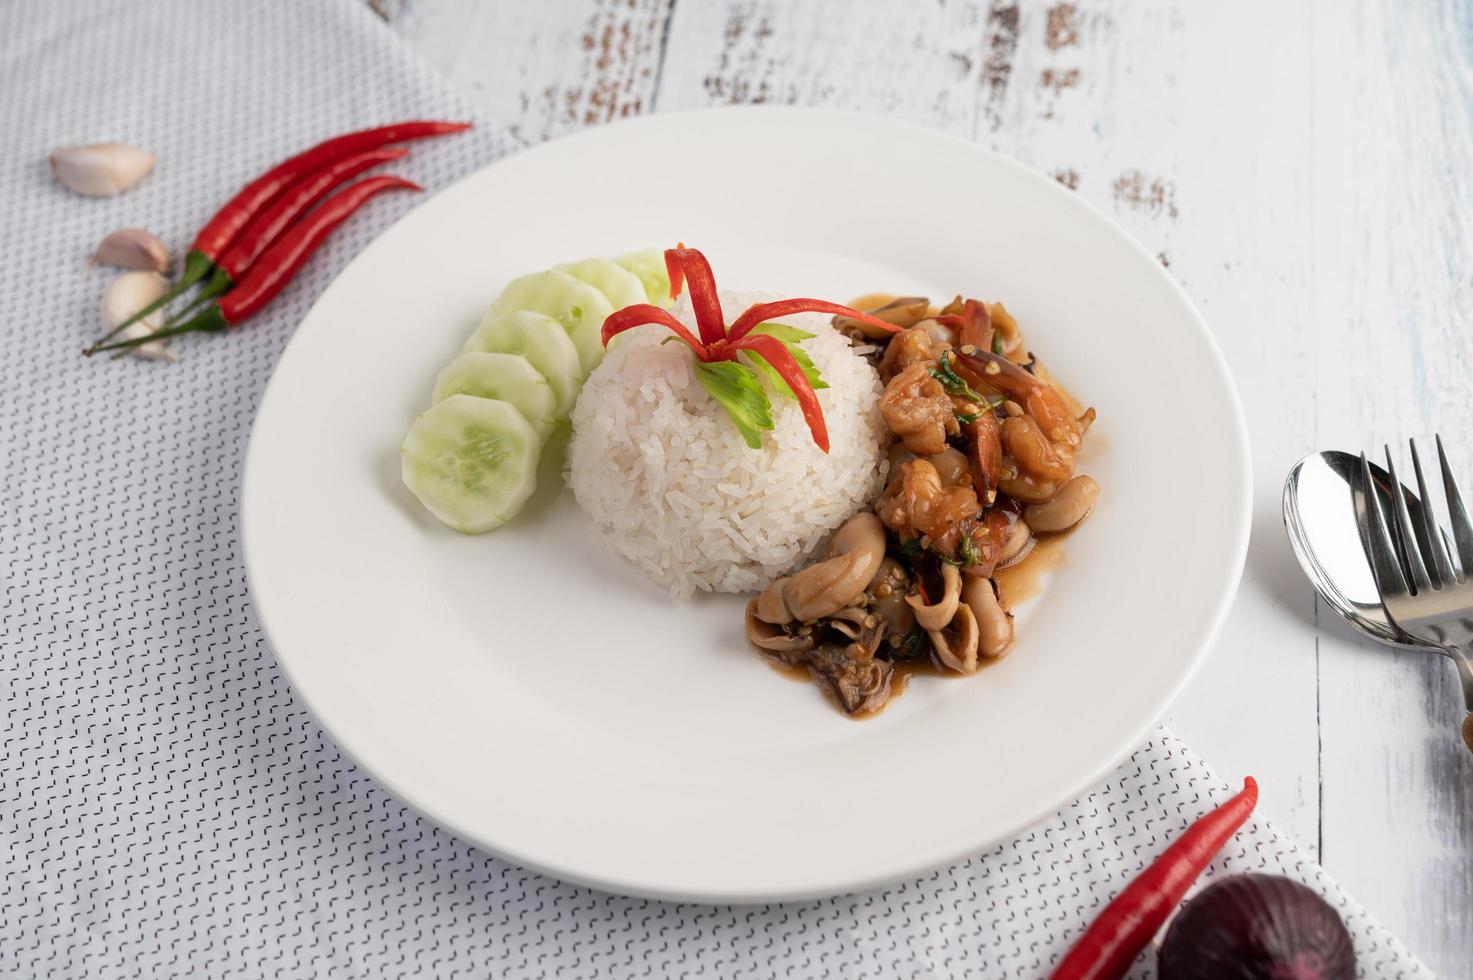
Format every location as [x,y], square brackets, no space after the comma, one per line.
[984,441]
[918,410]
[921,505]
[1042,441]
[910,346]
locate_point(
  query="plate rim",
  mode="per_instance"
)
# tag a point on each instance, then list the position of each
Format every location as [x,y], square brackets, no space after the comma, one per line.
[859,881]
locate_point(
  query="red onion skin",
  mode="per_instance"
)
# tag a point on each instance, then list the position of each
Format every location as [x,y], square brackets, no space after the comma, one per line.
[1257,927]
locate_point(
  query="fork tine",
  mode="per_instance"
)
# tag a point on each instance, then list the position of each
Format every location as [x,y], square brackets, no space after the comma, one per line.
[1433,543]
[1379,551]
[1411,554]
[1462,527]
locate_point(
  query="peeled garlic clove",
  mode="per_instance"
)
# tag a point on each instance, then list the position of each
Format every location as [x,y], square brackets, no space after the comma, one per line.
[100,169]
[132,248]
[126,295]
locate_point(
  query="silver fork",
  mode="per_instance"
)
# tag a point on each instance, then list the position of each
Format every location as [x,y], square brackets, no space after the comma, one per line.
[1422,592]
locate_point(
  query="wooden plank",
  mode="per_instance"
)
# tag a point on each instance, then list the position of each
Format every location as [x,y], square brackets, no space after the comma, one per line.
[543,68]
[1393,164]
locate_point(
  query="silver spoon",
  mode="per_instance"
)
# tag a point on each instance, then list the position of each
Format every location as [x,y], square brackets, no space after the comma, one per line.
[1319,515]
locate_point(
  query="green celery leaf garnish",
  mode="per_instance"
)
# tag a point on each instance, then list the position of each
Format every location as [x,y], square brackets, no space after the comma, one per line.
[783,332]
[736,389]
[790,337]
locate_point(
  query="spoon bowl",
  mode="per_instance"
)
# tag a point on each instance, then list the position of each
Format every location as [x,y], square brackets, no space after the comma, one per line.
[1319,516]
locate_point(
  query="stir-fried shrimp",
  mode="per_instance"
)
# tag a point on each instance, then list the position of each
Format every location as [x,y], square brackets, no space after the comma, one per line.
[921,506]
[914,345]
[984,445]
[918,410]
[981,464]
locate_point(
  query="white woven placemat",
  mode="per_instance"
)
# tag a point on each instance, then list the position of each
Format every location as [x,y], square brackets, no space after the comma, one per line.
[167,807]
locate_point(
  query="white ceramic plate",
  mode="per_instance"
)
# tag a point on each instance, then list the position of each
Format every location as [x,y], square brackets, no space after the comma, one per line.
[539,698]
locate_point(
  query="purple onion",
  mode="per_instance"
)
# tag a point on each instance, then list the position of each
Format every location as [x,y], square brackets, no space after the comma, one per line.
[1257,927]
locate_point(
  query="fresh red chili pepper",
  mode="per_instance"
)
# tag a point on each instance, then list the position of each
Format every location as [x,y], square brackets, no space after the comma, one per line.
[1112,942]
[221,230]
[264,228]
[720,343]
[276,266]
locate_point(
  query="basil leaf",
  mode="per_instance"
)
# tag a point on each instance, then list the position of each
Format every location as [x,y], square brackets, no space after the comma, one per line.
[783,332]
[735,388]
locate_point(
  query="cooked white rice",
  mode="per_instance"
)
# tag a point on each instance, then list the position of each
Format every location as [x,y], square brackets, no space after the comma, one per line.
[672,487]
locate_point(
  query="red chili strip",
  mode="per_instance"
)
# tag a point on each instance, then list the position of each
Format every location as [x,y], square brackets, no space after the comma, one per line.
[675,270]
[279,263]
[700,281]
[787,307]
[1116,937]
[688,267]
[774,352]
[642,313]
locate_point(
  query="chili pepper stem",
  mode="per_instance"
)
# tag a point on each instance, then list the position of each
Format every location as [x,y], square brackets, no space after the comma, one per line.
[218,283]
[196,266]
[210,320]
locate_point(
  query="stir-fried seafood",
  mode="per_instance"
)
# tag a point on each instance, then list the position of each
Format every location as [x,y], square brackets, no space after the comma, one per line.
[982,456]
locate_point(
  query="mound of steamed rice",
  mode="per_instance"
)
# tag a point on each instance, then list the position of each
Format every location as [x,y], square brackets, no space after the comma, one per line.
[672,487]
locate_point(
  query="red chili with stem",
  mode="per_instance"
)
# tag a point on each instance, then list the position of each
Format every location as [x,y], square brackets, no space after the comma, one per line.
[221,230]
[718,342]
[265,227]
[1116,937]
[279,263]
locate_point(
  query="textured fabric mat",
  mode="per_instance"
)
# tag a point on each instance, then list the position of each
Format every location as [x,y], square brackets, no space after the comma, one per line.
[167,807]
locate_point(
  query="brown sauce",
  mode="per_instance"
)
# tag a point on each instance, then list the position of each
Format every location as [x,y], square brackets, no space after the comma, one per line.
[1018,583]
[870,301]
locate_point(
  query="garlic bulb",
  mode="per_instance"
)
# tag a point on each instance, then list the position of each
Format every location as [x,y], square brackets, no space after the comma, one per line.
[126,295]
[100,169]
[132,248]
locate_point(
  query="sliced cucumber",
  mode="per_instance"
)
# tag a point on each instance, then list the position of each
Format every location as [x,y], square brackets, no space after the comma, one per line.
[543,342]
[509,378]
[471,461]
[620,286]
[649,266]
[575,304]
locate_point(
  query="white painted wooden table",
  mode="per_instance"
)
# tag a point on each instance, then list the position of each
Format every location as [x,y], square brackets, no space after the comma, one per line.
[1304,168]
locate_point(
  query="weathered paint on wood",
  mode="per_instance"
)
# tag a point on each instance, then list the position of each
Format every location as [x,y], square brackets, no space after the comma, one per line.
[1305,170]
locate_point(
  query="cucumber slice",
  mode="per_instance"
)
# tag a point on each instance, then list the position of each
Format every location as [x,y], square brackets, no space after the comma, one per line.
[509,378]
[649,266]
[543,342]
[621,287]
[579,307]
[471,461]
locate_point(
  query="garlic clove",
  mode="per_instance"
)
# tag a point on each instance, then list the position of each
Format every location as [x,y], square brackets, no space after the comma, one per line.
[100,169]
[132,248]
[126,295]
